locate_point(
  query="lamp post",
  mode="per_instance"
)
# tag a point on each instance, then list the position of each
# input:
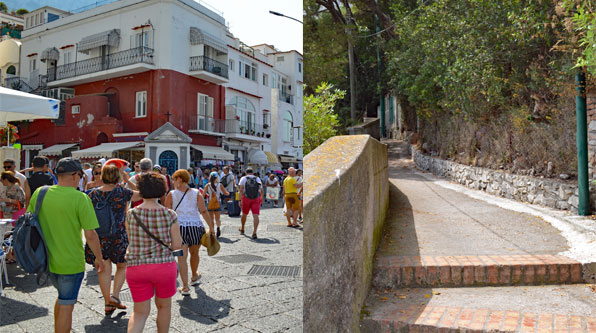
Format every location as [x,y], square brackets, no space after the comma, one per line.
[282,15]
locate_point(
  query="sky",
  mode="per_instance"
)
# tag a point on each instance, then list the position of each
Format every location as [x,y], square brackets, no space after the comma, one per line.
[248,20]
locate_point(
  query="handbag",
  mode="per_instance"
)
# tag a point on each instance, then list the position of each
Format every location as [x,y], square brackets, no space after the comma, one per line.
[213,202]
[19,212]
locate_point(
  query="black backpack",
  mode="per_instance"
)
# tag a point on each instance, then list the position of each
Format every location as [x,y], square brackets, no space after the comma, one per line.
[251,188]
[105,214]
[29,243]
[226,180]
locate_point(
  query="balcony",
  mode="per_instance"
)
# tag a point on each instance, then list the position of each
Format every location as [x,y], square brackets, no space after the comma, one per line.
[136,60]
[208,69]
[246,131]
[285,97]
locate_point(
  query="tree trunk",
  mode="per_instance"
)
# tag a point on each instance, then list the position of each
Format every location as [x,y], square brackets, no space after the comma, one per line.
[352,78]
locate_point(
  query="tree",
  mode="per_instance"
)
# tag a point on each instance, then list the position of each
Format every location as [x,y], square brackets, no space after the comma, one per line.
[320,118]
[3,7]
[22,11]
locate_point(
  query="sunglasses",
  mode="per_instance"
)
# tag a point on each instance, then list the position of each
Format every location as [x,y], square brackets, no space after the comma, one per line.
[97,173]
[7,166]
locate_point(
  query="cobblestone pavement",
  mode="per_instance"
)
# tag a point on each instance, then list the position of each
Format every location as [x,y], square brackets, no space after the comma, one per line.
[242,289]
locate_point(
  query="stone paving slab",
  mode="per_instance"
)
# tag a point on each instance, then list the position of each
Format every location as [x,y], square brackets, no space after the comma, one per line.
[227,299]
[425,219]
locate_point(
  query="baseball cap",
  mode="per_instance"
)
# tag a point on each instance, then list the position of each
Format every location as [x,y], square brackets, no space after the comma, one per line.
[213,174]
[156,167]
[68,164]
[249,170]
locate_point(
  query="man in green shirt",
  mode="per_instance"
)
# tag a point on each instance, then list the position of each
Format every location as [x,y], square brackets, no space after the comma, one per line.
[63,214]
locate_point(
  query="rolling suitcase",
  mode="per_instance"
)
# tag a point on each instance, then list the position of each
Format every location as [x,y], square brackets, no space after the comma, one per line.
[233,208]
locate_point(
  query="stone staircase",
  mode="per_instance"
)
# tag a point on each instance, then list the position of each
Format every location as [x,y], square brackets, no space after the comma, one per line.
[448,263]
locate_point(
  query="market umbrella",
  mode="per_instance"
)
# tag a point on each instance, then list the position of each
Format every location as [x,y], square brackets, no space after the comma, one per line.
[17,105]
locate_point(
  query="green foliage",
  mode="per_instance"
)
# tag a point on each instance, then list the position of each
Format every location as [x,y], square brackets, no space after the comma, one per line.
[320,119]
[22,11]
[583,20]
[3,7]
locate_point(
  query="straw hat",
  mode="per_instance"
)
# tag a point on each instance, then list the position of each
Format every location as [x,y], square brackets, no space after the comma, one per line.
[212,246]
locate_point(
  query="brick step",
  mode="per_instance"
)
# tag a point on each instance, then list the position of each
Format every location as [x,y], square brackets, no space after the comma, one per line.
[468,271]
[569,308]
[419,318]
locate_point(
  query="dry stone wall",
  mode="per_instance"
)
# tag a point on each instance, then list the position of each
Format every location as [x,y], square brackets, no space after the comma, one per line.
[540,191]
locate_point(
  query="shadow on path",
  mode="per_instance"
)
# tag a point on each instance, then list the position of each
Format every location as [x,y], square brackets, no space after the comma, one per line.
[13,311]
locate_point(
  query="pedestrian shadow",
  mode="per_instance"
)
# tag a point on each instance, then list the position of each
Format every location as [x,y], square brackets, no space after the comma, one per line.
[116,323]
[227,240]
[13,311]
[265,240]
[91,278]
[203,309]
[22,281]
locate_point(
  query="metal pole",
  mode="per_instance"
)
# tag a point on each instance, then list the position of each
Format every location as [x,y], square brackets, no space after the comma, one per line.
[582,143]
[380,84]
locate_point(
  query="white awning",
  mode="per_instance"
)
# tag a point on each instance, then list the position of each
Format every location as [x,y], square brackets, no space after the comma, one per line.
[257,157]
[105,149]
[198,36]
[51,53]
[56,150]
[289,159]
[110,38]
[213,153]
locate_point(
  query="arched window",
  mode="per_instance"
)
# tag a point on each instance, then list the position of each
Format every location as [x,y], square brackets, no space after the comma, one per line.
[246,111]
[288,125]
[11,70]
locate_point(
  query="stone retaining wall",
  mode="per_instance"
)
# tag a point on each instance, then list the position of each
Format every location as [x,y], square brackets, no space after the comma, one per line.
[346,198]
[541,191]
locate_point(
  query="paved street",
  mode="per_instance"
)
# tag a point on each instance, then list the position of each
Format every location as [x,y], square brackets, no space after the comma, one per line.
[241,290]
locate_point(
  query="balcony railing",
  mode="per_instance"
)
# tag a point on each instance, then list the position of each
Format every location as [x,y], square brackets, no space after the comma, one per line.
[233,126]
[202,63]
[285,97]
[98,64]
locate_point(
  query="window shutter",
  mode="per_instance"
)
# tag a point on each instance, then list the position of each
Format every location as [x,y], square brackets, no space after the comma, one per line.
[210,107]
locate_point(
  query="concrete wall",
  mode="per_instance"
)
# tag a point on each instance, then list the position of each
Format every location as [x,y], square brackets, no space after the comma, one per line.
[346,198]
[540,191]
[371,126]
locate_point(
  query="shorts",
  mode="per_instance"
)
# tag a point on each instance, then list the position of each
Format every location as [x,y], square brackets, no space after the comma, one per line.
[191,235]
[253,205]
[292,201]
[68,286]
[144,279]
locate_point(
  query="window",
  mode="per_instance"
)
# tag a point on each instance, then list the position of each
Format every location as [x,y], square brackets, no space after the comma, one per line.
[265,80]
[67,57]
[247,70]
[280,58]
[11,70]
[231,65]
[141,105]
[288,125]
[75,109]
[32,65]
[299,68]
[266,118]
[141,39]
[246,111]
[205,120]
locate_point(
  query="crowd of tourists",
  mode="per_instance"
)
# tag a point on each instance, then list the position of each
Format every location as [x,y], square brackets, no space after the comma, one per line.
[139,220]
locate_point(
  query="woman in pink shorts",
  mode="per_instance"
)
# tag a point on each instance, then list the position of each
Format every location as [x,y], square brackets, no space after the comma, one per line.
[151,268]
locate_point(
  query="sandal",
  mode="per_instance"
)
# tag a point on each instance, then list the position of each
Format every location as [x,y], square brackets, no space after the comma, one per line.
[110,306]
[195,281]
[254,236]
[241,231]
[118,304]
[184,291]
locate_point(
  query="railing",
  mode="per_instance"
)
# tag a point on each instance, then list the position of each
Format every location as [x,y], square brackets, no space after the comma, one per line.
[244,127]
[233,126]
[285,97]
[202,63]
[18,83]
[93,65]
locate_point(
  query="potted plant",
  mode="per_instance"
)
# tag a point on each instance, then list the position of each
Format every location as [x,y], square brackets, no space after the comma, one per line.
[265,126]
[268,135]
